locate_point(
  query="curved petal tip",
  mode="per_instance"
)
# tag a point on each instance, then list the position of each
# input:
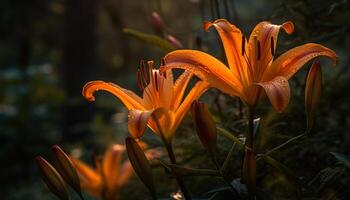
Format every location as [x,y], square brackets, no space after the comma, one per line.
[207,25]
[90,88]
[278,91]
[288,27]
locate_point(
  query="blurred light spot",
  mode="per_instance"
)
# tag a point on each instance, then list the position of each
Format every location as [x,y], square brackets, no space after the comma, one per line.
[76,153]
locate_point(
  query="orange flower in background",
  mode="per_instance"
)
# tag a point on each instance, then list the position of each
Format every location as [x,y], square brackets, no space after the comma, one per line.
[161,97]
[251,63]
[108,177]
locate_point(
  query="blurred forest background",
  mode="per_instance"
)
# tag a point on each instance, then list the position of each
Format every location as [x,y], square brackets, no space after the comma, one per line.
[50,48]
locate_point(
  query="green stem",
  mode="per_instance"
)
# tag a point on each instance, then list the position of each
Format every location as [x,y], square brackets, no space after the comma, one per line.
[169,148]
[179,180]
[250,144]
[250,134]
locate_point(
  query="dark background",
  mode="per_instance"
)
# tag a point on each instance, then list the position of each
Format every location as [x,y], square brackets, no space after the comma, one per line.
[50,48]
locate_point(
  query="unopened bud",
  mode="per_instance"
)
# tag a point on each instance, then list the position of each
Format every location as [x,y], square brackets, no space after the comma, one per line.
[66,169]
[312,92]
[205,126]
[140,164]
[52,179]
[157,22]
[174,42]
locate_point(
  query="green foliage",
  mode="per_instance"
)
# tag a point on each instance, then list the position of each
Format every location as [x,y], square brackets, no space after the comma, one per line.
[150,39]
[32,98]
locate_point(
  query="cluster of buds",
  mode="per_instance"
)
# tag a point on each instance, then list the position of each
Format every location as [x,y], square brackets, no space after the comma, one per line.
[158,26]
[57,178]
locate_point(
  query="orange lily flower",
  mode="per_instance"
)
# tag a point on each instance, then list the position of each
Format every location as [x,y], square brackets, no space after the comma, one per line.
[108,177]
[251,63]
[161,96]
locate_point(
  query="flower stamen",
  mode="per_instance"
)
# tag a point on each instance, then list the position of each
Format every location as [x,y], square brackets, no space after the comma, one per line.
[139,81]
[156,80]
[243,45]
[144,72]
[272,44]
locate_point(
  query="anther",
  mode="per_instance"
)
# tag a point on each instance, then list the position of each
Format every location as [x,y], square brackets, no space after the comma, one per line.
[259,53]
[144,73]
[243,45]
[272,47]
[142,63]
[139,81]
[156,80]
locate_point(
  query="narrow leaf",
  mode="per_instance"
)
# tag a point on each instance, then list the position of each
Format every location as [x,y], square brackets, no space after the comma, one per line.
[230,136]
[256,124]
[186,171]
[150,39]
[342,158]
[279,166]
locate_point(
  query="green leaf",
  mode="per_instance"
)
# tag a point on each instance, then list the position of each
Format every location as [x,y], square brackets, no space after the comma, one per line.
[166,167]
[279,166]
[239,187]
[230,136]
[150,39]
[256,124]
[342,158]
[219,189]
[186,171]
[140,164]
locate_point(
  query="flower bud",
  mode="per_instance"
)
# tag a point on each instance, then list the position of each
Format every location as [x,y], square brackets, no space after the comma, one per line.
[174,42]
[157,22]
[140,164]
[312,92]
[52,179]
[205,126]
[66,169]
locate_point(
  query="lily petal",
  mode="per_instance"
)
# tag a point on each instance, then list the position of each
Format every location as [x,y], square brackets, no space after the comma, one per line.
[164,120]
[110,165]
[266,33]
[231,38]
[90,179]
[179,88]
[290,62]
[127,97]
[137,121]
[126,171]
[166,82]
[278,91]
[194,94]
[206,67]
